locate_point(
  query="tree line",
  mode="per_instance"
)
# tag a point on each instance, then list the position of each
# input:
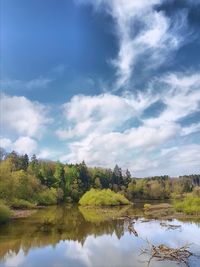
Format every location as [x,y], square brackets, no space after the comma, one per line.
[47,182]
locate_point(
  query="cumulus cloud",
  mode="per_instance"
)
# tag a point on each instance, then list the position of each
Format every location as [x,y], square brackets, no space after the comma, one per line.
[143,31]
[101,113]
[22,116]
[23,123]
[102,131]
[22,145]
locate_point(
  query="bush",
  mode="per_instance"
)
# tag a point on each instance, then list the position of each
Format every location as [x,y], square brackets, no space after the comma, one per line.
[5,213]
[190,205]
[104,197]
[47,197]
[147,207]
[22,204]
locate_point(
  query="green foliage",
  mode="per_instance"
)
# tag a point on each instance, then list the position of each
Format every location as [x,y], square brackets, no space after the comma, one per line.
[104,197]
[5,213]
[47,197]
[46,172]
[190,205]
[22,204]
[44,182]
[150,188]
[147,207]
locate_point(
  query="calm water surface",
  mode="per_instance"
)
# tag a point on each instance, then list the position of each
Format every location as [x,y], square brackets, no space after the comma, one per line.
[72,236]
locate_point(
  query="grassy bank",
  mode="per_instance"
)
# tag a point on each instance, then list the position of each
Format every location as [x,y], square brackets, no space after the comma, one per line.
[5,213]
[190,205]
[22,204]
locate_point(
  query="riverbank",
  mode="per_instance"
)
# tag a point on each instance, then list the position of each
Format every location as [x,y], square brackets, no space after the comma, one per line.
[16,214]
[166,211]
[162,211]
[8,213]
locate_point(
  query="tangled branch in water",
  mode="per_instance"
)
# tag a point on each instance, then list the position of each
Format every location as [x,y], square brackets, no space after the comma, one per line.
[162,252]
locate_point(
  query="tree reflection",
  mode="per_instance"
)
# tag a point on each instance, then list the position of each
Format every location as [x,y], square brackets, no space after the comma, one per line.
[49,226]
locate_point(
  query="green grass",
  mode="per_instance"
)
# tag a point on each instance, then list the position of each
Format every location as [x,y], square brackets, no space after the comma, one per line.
[104,197]
[22,204]
[190,205]
[5,213]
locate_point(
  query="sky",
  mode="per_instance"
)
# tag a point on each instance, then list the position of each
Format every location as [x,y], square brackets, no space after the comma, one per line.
[104,81]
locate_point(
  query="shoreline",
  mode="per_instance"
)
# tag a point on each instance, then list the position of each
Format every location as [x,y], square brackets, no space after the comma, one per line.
[24,213]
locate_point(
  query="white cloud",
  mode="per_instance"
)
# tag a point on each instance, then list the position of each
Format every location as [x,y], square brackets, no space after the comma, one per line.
[23,123]
[181,96]
[22,145]
[25,145]
[22,116]
[105,134]
[183,159]
[45,154]
[143,32]
[102,113]
[5,142]
[124,148]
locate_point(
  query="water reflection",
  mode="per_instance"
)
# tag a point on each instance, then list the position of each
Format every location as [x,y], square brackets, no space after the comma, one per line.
[72,236]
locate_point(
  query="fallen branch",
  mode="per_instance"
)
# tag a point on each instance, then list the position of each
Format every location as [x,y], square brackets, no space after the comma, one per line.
[162,252]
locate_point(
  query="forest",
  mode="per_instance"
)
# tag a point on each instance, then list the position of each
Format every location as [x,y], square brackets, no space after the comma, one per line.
[28,182]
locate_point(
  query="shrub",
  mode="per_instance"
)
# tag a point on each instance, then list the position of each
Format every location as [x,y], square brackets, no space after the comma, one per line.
[104,197]
[47,197]
[147,207]
[5,213]
[22,204]
[190,205]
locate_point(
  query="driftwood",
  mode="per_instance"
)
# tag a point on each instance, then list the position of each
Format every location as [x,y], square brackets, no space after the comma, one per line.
[162,252]
[170,226]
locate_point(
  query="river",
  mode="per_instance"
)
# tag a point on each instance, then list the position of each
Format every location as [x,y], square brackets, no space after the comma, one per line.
[74,236]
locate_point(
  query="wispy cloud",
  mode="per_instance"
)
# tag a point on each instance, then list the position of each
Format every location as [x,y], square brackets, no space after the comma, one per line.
[25,85]
[146,35]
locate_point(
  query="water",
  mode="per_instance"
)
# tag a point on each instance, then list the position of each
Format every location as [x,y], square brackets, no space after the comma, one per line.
[70,236]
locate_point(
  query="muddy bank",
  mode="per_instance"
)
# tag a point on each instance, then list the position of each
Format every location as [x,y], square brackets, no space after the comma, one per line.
[24,213]
[16,214]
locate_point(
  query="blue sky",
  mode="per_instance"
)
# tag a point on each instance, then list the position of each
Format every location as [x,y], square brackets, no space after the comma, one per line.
[103,81]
